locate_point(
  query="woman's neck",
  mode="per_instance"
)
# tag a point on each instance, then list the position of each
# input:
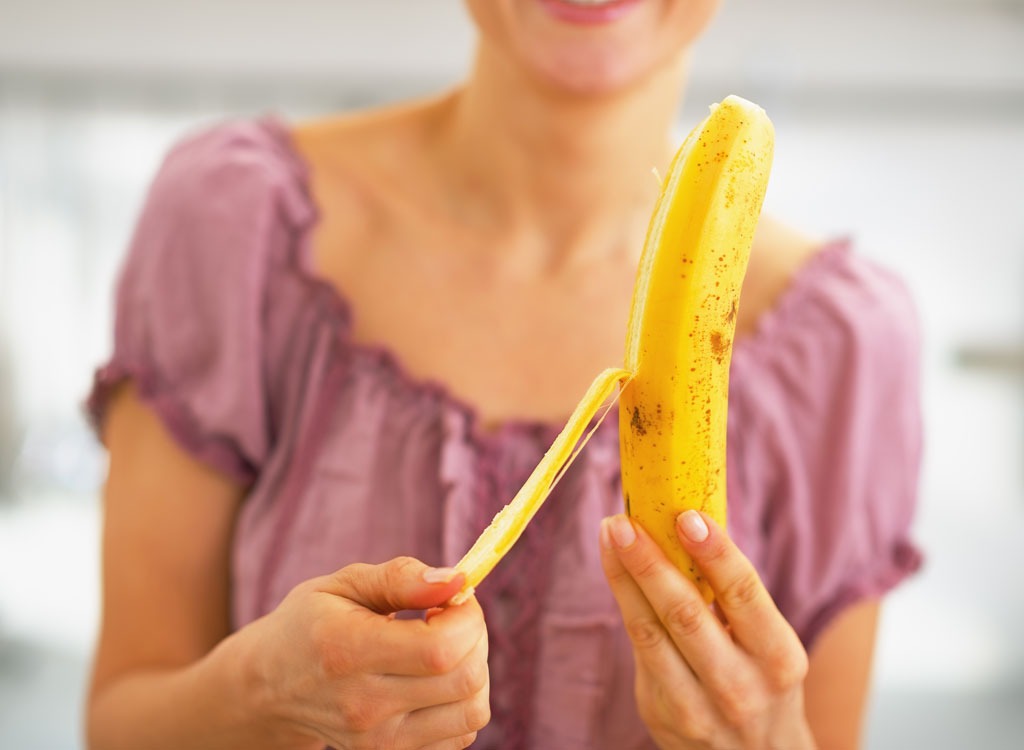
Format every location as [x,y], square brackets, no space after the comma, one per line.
[569,176]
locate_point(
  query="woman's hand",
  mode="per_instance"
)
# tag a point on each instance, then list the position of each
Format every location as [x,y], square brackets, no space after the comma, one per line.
[333,665]
[733,680]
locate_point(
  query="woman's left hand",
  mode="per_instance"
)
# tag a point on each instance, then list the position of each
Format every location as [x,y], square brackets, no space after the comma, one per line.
[702,682]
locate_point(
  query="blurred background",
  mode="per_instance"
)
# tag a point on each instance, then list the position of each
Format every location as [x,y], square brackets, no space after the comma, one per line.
[900,123]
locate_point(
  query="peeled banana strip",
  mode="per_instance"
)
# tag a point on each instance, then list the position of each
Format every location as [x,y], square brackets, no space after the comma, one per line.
[510,522]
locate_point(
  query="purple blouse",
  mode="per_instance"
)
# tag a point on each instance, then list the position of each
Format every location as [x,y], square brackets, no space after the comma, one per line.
[248,359]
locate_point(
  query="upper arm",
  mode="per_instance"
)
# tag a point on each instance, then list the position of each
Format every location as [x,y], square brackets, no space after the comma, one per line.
[837,415]
[166,545]
[183,400]
[833,458]
[838,680]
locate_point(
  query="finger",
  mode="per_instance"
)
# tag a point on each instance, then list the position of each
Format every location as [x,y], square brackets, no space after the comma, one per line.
[678,606]
[651,642]
[457,743]
[360,639]
[667,688]
[446,722]
[465,681]
[439,646]
[756,623]
[399,584]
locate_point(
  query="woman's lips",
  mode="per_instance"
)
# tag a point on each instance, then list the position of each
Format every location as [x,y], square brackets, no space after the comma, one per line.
[589,13]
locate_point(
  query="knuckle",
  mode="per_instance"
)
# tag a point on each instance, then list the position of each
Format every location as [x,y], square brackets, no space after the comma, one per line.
[477,712]
[715,553]
[456,743]
[740,703]
[645,632]
[346,578]
[741,592]
[618,576]
[696,725]
[686,617]
[439,658]
[646,568]
[335,658]
[788,668]
[679,714]
[400,569]
[405,563]
[359,715]
[305,588]
[479,630]
[474,677]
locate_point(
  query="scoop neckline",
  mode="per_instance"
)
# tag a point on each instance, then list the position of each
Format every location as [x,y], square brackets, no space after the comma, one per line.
[480,431]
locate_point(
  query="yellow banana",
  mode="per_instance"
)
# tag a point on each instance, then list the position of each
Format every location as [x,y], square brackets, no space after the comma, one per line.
[672,415]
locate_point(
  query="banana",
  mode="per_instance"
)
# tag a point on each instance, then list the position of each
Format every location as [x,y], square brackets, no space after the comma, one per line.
[672,416]
[675,383]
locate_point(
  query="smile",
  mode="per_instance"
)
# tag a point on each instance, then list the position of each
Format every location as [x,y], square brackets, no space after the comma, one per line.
[587,12]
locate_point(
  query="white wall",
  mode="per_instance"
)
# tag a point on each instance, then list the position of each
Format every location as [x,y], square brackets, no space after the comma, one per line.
[941,44]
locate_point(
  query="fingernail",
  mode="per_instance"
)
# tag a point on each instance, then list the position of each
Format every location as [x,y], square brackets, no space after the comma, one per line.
[606,539]
[622,531]
[439,575]
[692,524]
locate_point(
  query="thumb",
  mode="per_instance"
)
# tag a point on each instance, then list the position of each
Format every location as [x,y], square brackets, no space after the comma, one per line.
[401,583]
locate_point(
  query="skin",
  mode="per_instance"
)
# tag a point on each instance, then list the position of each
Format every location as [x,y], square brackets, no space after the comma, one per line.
[734,675]
[704,681]
[434,224]
[327,666]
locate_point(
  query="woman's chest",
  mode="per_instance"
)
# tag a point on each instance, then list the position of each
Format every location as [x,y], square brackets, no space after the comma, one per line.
[512,344]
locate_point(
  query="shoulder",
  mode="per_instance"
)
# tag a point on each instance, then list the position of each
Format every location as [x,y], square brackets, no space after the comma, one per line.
[367,155]
[840,341]
[378,139]
[778,256]
[803,288]
[841,338]
[223,171]
[224,200]
[225,204]
[365,175]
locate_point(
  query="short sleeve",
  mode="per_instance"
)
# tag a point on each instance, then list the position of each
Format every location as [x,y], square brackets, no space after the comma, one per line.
[189,305]
[838,428]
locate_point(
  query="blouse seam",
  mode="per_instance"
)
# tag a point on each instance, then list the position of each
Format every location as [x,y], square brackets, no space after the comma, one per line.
[211,449]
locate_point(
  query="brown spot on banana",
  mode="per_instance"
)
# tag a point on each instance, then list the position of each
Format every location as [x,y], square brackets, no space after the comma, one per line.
[637,422]
[720,346]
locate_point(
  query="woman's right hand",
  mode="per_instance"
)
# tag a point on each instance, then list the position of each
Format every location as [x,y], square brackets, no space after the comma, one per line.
[332,663]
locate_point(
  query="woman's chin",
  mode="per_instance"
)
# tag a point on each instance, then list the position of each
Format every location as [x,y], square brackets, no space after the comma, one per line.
[595,75]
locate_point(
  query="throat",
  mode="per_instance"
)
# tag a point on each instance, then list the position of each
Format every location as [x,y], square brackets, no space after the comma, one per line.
[559,185]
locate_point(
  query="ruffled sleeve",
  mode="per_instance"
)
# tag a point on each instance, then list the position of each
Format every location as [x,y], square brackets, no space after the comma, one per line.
[830,391]
[189,327]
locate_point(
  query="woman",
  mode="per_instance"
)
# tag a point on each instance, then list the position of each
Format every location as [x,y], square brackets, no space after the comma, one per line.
[342,346]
